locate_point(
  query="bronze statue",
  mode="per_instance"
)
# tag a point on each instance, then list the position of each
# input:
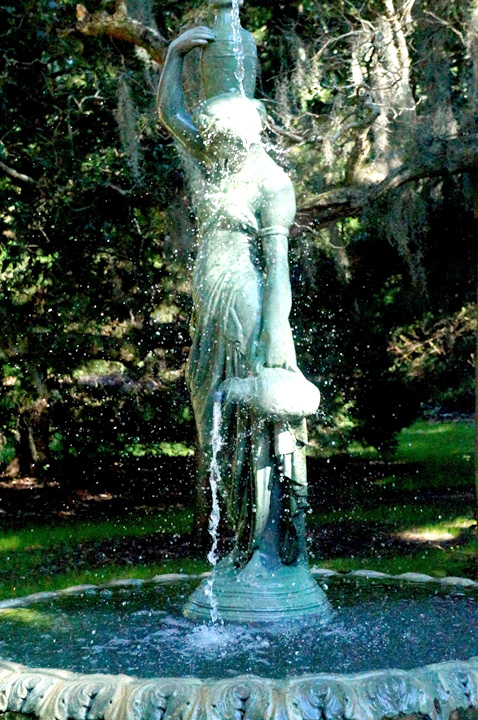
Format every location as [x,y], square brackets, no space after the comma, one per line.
[242,344]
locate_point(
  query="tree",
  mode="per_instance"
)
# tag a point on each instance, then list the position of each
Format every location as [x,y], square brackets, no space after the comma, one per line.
[373,110]
[379,113]
[90,278]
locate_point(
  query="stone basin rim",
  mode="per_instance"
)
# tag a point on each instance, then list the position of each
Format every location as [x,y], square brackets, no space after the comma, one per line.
[324,573]
[434,690]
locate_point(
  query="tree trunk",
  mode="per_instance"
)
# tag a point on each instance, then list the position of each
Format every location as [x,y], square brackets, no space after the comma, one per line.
[34,438]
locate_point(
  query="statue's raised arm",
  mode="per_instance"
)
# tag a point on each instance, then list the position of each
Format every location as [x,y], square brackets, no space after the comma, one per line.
[171,106]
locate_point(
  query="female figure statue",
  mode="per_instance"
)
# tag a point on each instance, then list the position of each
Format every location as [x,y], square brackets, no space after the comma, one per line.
[245,205]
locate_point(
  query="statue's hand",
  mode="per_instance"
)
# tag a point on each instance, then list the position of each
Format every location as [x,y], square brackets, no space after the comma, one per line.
[196,37]
[276,348]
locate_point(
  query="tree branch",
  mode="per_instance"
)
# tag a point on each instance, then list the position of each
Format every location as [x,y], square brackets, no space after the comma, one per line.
[277,130]
[15,175]
[444,158]
[122,27]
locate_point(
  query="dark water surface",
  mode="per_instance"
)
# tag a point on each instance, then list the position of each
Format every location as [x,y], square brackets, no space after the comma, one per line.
[142,632]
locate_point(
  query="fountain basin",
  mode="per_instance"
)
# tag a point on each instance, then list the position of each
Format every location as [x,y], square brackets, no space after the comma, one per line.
[350,685]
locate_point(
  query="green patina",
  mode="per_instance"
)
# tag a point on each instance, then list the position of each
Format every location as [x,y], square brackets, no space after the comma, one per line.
[242,344]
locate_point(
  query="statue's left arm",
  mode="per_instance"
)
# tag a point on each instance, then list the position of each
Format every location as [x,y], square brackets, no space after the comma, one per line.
[171,106]
[278,207]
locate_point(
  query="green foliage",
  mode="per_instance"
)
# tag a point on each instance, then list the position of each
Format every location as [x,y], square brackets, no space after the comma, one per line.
[96,237]
[44,557]
[444,450]
[88,256]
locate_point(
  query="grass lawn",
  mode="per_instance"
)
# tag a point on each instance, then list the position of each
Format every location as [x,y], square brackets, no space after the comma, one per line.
[415,514]
[444,452]
[423,502]
[40,558]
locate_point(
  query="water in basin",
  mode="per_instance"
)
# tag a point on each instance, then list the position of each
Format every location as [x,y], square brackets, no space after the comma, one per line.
[141,632]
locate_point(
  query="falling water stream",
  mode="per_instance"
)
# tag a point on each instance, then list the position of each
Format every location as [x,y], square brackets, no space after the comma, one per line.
[238,45]
[214,480]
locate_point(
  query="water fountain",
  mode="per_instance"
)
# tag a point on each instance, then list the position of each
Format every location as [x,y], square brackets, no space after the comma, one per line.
[250,402]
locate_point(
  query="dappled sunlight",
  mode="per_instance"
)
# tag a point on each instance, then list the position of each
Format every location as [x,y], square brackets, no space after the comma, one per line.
[38,539]
[432,429]
[437,444]
[98,497]
[425,535]
[8,544]
[27,616]
[442,532]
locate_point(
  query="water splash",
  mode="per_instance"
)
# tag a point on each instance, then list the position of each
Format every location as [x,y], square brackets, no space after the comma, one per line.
[214,480]
[238,45]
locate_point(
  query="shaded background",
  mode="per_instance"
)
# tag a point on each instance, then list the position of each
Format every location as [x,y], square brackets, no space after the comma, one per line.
[372,110]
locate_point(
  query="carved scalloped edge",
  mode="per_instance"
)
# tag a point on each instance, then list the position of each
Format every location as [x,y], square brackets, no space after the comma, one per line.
[182,577]
[434,691]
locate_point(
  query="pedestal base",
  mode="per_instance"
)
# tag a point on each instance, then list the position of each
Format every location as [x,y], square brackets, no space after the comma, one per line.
[259,593]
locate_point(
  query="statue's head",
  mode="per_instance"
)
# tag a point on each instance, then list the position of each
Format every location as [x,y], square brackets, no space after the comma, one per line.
[230,120]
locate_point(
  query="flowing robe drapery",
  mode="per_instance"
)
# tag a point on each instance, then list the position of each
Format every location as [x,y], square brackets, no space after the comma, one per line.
[225,328]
